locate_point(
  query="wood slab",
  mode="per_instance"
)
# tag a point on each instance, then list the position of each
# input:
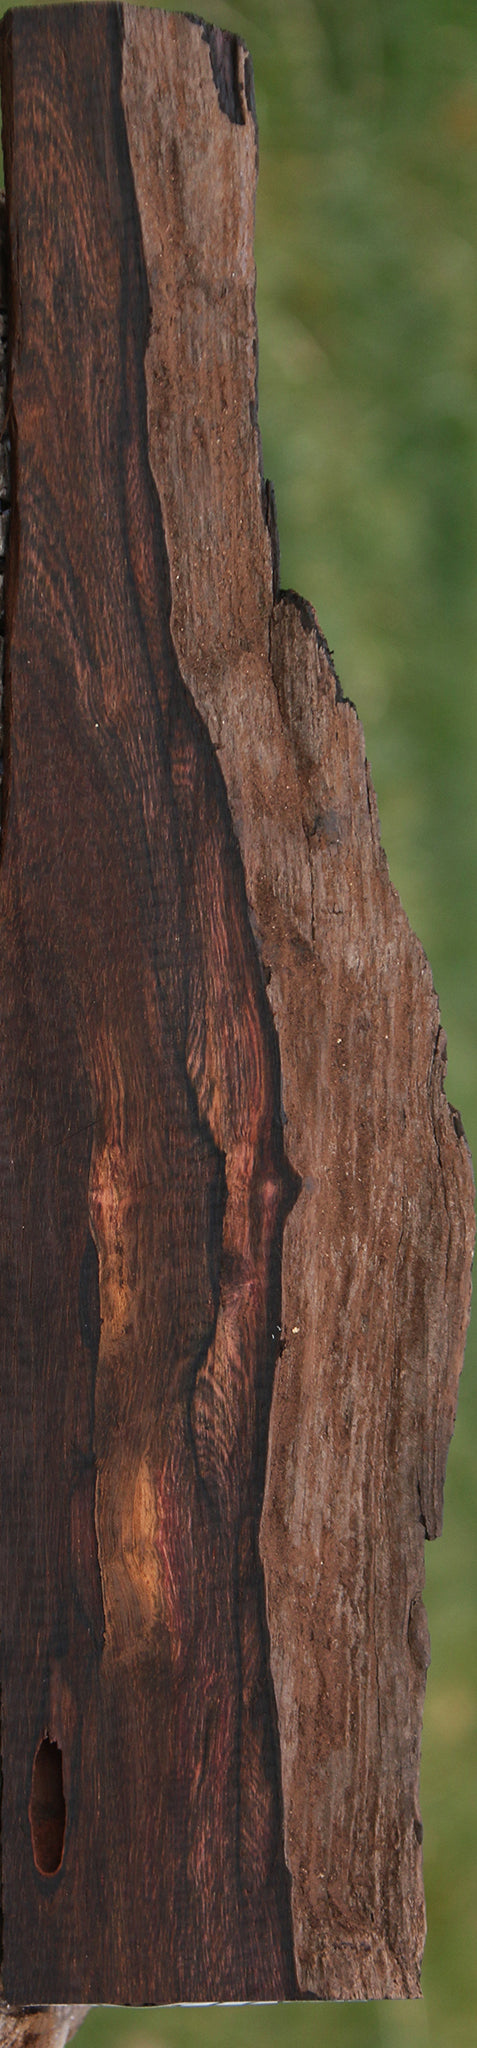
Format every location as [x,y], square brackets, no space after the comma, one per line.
[236,1208]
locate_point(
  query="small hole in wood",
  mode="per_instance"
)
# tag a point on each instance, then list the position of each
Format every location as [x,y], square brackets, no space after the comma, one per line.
[47,1810]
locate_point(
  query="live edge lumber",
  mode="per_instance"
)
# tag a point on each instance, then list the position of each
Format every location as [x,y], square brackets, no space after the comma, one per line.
[237,1229]
[377,1250]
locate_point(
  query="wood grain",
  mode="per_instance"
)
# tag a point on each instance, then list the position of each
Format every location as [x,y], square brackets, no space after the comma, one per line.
[236,1208]
[141,1149]
[20,2026]
[377,1251]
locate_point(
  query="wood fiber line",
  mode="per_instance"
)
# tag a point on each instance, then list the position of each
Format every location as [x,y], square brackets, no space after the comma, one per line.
[377,1252]
[5,462]
[144,1186]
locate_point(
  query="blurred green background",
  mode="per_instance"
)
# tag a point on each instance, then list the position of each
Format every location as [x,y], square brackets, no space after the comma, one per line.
[367,304]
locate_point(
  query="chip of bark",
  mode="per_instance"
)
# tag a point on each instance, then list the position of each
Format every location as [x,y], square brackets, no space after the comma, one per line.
[204,917]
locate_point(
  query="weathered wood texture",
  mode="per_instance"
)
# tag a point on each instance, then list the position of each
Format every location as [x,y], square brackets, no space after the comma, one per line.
[144,1184]
[377,1251]
[159,1037]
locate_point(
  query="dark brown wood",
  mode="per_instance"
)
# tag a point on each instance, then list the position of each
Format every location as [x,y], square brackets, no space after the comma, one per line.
[144,1183]
[377,1251]
[219,1035]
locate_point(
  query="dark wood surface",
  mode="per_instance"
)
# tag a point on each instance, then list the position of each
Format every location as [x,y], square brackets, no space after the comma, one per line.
[143,1179]
[236,1210]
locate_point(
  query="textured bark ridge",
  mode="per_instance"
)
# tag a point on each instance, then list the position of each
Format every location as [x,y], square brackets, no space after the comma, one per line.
[377,1251]
[236,1208]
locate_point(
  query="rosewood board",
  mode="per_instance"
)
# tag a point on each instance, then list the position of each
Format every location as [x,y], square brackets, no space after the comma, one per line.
[234,1259]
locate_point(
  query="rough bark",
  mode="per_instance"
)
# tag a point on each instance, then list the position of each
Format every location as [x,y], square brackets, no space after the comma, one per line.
[202,958]
[377,1252]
